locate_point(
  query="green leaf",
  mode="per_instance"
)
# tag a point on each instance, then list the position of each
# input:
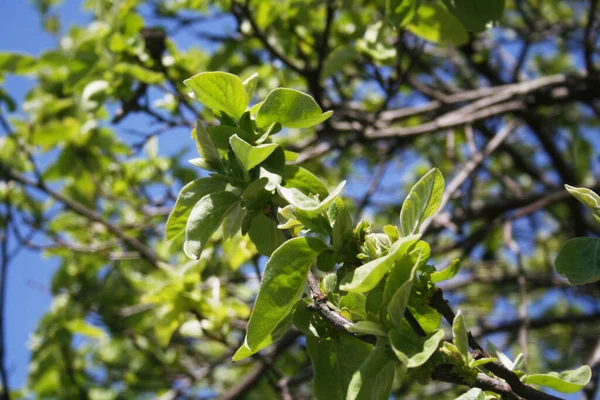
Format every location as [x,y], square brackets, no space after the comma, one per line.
[473,394]
[354,304]
[232,223]
[401,12]
[447,273]
[405,268]
[428,317]
[367,328]
[16,63]
[94,94]
[139,73]
[250,85]
[309,322]
[255,190]
[476,15]
[398,303]
[207,150]
[413,351]
[82,327]
[265,235]
[310,205]
[342,237]
[205,218]
[187,199]
[367,276]
[422,202]
[435,23]
[482,361]
[588,197]
[494,351]
[460,337]
[326,261]
[579,260]
[220,135]
[334,360]
[244,351]
[337,59]
[282,284]
[291,108]
[303,180]
[374,378]
[565,382]
[220,91]
[250,156]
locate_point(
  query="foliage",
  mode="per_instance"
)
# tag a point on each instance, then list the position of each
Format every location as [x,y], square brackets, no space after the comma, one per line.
[413,342]
[258,279]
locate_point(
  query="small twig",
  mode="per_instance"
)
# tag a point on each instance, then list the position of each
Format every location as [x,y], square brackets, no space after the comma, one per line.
[519,388]
[319,305]
[82,210]
[469,168]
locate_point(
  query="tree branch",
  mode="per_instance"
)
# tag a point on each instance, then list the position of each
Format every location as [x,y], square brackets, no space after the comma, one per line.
[82,210]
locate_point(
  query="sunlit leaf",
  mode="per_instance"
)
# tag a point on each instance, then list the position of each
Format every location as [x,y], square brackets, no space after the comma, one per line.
[291,108]
[283,280]
[220,91]
[422,202]
[565,382]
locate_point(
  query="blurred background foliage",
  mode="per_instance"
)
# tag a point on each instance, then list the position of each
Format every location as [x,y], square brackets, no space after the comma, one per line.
[93,158]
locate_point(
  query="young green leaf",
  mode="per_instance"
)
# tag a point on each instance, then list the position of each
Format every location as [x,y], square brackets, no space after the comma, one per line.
[476,15]
[460,336]
[291,108]
[367,276]
[205,218]
[187,199]
[232,223]
[282,284]
[588,197]
[250,85]
[281,328]
[354,304]
[374,378]
[220,135]
[398,303]
[309,322]
[334,361]
[503,358]
[565,382]
[473,394]
[401,12]
[482,361]
[422,202]
[326,261]
[337,59]
[272,179]
[250,156]
[579,260]
[342,237]
[220,91]
[405,268]
[265,235]
[17,63]
[310,205]
[435,23]
[207,150]
[303,180]
[447,273]
[414,351]
[367,328]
